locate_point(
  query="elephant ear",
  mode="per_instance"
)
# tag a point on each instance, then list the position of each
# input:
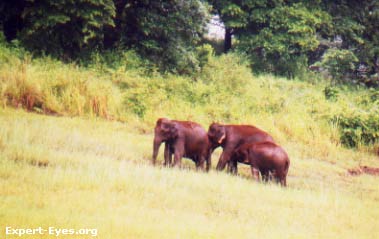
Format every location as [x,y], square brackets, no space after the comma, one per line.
[174,131]
[170,130]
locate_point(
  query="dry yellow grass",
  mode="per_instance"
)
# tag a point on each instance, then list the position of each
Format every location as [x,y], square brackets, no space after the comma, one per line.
[90,173]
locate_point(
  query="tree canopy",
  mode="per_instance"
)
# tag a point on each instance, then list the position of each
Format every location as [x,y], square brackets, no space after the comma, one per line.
[281,37]
[164,31]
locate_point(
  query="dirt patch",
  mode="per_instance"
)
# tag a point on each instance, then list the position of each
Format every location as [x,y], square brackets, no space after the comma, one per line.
[364,169]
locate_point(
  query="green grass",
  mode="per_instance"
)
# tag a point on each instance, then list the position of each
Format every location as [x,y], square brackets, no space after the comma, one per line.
[85,173]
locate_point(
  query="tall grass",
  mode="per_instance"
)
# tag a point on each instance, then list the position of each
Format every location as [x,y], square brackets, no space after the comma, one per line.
[48,86]
[225,90]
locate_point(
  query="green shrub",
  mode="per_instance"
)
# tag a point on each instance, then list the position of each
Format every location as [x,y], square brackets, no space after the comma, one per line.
[108,61]
[358,128]
[331,93]
[339,63]
[229,73]
[204,53]
[374,95]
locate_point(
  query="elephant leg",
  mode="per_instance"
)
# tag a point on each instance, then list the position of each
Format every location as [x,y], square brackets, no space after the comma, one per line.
[283,182]
[178,154]
[170,159]
[271,175]
[255,173]
[229,167]
[204,160]
[208,161]
[275,176]
[278,180]
[200,164]
[281,178]
[167,156]
[265,175]
[177,160]
[235,168]
[178,148]
[232,167]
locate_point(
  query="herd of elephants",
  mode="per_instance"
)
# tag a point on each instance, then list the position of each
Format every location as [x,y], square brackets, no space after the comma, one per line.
[245,144]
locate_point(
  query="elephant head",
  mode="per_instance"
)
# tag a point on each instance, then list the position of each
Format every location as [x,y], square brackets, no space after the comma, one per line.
[165,131]
[241,155]
[216,134]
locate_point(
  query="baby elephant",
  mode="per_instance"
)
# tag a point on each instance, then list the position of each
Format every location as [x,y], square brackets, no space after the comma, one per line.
[264,157]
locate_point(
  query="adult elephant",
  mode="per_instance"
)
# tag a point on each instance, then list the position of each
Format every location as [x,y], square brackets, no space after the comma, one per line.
[264,157]
[229,137]
[183,139]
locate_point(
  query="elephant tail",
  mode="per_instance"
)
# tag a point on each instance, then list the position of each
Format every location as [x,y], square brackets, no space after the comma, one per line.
[286,166]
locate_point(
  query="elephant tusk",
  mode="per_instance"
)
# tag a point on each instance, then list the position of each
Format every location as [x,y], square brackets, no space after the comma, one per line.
[221,139]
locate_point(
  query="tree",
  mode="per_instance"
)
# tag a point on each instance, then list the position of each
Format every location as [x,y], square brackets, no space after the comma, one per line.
[62,27]
[339,63]
[355,23]
[165,31]
[66,26]
[278,39]
[234,14]
[275,34]
[11,21]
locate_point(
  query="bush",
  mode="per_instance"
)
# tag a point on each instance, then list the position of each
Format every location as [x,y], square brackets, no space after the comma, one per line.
[331,93]
[108,61]
[229,73]
[358,128]
[204,53]
[339,63]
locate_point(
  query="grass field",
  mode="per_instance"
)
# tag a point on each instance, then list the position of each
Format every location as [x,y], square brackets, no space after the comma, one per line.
[78,173]
[87,165]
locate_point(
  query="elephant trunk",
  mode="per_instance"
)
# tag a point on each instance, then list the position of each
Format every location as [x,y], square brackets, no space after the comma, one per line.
[156,146]
[209,158]
[224,159]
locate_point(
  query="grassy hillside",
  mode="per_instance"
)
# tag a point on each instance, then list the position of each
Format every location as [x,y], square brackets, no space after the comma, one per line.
[84,160]
[85,173]
[119,87]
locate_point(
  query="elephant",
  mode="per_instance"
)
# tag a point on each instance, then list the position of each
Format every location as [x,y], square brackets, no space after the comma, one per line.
[229,137]
[183,139]
[264,157]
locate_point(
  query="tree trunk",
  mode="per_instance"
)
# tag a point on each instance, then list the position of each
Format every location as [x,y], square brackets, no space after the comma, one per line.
[113,34]
[227,40]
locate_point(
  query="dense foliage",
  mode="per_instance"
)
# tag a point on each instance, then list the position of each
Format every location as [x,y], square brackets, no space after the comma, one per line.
[62,28]
[165,32]
[281,37]
[285,37]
